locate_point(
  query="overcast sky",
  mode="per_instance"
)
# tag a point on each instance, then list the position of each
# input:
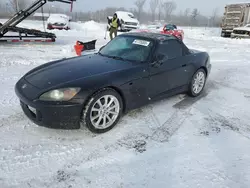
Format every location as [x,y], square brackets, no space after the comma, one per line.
[205,6]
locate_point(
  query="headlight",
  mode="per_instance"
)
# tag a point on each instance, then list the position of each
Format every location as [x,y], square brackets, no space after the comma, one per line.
[63,94]
[122,21]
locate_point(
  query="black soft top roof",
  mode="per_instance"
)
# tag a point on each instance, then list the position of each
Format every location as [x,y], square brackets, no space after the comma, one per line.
[154,36]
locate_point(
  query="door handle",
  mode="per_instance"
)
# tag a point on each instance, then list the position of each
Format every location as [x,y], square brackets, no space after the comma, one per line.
[184,65]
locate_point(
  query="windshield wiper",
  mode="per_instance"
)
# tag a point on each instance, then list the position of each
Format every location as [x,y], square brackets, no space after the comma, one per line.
[118,58]
[100,53]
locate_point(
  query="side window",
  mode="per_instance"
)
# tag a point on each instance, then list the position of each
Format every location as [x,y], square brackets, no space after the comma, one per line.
[169,50]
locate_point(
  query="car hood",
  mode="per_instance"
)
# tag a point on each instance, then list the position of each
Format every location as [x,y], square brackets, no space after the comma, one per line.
[67,70]
[57,19]
[128,19]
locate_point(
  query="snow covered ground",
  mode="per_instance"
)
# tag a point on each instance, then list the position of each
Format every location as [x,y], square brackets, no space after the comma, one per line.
[176,143]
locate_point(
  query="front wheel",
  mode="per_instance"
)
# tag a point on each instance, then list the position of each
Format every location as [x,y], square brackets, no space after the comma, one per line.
[103,111]
[197,83]
[222,34]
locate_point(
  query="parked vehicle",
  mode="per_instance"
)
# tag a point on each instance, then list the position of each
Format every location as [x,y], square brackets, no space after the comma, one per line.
[58,21]
[132,70]
[235,15]
[154,26]
[171,29]
[241,32]
[128,21]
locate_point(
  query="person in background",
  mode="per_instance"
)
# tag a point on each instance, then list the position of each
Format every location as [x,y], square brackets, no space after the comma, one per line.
[114,23]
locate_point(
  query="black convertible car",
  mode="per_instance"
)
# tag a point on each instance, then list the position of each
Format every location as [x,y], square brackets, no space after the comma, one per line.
[132,70]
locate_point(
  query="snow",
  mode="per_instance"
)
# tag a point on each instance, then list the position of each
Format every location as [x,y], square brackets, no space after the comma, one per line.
[177,142]
[61,18]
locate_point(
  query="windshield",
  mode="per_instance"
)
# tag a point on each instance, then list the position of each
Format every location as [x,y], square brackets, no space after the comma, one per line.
[128,48]
[169,27]
[131,16]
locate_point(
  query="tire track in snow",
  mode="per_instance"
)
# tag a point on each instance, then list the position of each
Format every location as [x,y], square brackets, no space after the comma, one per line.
[9,100]
[13,160]
[168,129]
[12,119]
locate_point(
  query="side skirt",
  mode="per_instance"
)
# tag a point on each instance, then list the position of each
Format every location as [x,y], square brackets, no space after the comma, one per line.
[170,93]
[179,90]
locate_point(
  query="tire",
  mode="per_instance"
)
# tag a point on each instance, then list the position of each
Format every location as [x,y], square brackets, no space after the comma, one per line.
[197,76]
[222,34]
[90,115]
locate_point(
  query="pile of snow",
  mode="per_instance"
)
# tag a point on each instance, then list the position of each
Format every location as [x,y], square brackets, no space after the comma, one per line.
[88,26]
[143,26]
[92,25]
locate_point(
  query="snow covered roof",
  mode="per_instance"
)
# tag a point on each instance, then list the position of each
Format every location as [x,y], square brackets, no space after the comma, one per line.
[239,3]
[125,13]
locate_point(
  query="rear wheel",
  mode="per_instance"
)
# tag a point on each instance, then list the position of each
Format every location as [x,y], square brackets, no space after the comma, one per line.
[103,111]
[198,82]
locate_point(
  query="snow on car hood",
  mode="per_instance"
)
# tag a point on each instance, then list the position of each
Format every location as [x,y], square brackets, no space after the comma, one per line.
[58,19]
[125,17]
[128,19]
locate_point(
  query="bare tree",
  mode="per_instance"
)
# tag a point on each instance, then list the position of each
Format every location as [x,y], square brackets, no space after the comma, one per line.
[194,15]
[160,7]
[140,4]
[17,5]
[169,7]
[14,5]
[186,12]
[214,16]
[153,6]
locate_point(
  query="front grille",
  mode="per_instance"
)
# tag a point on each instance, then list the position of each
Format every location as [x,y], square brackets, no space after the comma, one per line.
[59,24]
[130,23]
[241,32]
[129,27]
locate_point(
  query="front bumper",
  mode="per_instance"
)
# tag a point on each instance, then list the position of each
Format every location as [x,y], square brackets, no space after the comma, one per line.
[51,115]
[129,27]
[58,27]
[233,35]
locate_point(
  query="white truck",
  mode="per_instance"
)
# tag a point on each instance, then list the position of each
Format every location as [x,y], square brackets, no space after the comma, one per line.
[235,15]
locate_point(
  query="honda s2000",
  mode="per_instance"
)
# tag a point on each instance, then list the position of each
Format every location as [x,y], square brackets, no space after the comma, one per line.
[94,90]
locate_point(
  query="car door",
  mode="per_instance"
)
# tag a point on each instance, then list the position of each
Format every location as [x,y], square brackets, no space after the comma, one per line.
[169,70]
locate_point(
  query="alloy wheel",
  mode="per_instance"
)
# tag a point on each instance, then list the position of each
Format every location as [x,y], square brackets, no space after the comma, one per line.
[199,82]
[104,112]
